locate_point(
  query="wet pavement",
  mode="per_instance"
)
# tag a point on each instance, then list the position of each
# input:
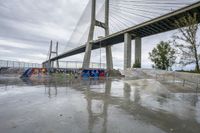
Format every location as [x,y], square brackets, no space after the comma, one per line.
[95,106]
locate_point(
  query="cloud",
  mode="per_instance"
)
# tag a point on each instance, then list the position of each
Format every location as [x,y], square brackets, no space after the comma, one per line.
[10,43]
[5,51]
[28,26]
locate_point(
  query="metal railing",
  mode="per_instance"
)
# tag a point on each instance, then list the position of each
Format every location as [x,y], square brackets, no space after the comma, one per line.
[78,64]
[18,64]
[62,64]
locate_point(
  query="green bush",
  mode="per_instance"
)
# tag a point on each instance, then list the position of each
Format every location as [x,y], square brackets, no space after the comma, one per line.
[137,64]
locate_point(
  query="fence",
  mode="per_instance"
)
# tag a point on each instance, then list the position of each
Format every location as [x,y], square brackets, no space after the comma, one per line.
[18,64]
[62,64]
[78,64]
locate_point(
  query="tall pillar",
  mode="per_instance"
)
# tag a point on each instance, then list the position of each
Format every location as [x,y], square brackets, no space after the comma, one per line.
[138,48]
[94,22]
[52,64]
[57,62]
[87,56]
[109,60]
[50,49]
[127,51]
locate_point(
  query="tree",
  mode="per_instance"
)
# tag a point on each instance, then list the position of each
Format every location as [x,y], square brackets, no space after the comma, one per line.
[186,40]
[163,56]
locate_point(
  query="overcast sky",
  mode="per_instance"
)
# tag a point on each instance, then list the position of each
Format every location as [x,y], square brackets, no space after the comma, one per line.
[27,26]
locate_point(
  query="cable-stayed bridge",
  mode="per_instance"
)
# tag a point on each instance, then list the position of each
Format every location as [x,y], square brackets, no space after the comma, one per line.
[122,21]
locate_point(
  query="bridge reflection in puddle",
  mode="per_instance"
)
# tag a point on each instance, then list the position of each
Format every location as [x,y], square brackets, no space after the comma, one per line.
[105,106]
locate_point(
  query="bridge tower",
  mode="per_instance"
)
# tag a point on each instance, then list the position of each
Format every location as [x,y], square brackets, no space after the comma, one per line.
[51,64]
[104,25]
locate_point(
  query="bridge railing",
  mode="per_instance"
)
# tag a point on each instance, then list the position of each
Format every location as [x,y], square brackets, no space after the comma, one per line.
[18,64]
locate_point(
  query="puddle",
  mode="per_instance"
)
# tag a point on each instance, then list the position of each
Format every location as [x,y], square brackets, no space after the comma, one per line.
[104,106]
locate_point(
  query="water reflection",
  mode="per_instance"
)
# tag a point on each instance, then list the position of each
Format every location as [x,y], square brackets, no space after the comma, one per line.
[161,112]
[51,88]
[138,107]
[93,116]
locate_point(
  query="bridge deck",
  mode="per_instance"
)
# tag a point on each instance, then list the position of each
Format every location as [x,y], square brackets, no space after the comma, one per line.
[158,25]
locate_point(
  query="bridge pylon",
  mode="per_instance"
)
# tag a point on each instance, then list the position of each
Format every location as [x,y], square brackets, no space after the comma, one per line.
[104,25]
[51,52]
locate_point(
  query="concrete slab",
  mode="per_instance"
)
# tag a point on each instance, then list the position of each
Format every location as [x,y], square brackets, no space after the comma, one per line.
[104,106]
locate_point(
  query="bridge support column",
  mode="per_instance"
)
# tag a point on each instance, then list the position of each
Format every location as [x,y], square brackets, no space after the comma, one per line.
[52,64]
[57,62]
[105,26]
[109,60]
[87,56]
[138,50]
[127,51]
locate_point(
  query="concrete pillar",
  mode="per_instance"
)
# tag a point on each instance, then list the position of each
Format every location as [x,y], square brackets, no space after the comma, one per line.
[93,20]
[57,62]
[52,64]
[87,56]
[107,15]
[86,60]
[127,51]
[50,49]
[109,60]
[138,48]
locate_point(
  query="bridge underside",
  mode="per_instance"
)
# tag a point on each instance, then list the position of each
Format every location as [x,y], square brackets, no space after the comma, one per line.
[155,26]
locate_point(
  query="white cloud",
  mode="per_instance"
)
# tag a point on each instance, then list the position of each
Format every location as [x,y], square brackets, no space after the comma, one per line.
[5,51]
[15,44]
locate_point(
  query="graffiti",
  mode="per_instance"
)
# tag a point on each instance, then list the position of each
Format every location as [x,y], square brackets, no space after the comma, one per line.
[93,73]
